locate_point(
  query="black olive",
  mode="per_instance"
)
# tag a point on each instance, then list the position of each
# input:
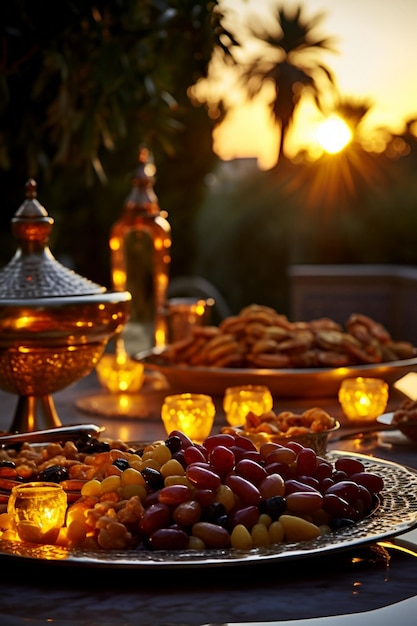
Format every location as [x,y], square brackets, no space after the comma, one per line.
[179,456]
[274,506]
[13,446]
[213,512]
[5,463]
[137,452]
[223,520]
[173,443]
[122,464]
[153,478]
[101,446]
[87,444]
[54,474]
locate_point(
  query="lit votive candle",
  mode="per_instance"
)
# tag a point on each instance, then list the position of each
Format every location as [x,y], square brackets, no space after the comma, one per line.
[239,401]
[37,510]
[363,398]
[191,413]
[118,373]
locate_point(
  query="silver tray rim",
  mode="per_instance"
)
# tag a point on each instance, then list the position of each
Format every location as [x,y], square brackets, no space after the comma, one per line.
[395,514]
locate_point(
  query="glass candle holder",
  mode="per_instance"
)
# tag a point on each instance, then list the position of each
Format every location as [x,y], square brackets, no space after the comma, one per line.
[37,510]
[239,401]
[118,373]
[185,313]
[363,398]
[191,413]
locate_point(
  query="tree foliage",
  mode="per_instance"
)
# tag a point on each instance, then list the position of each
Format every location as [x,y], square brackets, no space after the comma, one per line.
[81,85]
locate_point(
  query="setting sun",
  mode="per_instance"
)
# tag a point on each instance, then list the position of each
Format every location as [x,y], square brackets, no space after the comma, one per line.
[333,134]
[361,73]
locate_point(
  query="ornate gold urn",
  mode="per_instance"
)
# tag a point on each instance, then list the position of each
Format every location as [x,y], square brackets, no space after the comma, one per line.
[54,324]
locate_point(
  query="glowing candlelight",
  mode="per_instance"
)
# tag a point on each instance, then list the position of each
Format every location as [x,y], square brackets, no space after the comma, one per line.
[239,401]
[363,398]
[38,511]
[118,373]
[192,413]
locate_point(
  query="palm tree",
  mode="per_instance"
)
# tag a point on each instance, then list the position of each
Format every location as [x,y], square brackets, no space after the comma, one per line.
[352,111]
[289,63]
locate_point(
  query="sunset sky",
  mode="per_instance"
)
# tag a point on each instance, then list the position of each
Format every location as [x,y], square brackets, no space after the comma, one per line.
[376,60]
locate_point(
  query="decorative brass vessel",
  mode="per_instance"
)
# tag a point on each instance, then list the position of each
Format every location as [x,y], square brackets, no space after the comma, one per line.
[54,324]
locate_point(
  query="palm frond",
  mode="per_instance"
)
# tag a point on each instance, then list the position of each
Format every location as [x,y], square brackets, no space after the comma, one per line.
[289,61]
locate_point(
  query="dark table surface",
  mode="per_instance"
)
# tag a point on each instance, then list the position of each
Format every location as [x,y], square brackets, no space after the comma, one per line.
[360,580]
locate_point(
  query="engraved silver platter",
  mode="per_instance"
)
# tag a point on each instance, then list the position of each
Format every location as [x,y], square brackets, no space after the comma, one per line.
[395,514]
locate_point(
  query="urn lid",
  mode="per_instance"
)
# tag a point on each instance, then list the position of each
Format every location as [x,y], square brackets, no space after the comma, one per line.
[33,271]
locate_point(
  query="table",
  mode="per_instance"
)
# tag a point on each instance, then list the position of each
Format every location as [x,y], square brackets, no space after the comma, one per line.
[354,581]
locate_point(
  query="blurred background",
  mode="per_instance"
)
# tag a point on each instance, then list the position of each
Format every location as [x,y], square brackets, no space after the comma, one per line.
[283,133]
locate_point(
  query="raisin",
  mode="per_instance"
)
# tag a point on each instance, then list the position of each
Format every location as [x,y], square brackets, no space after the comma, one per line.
[54,474]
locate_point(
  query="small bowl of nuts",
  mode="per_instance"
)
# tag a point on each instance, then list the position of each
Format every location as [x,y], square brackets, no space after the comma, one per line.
[405,419]
[310,428]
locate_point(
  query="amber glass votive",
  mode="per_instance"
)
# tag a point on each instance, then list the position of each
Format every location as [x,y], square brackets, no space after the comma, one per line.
[184,314]
[192,413]
[363,398]
[38,511]
[118,373]
[239,401]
